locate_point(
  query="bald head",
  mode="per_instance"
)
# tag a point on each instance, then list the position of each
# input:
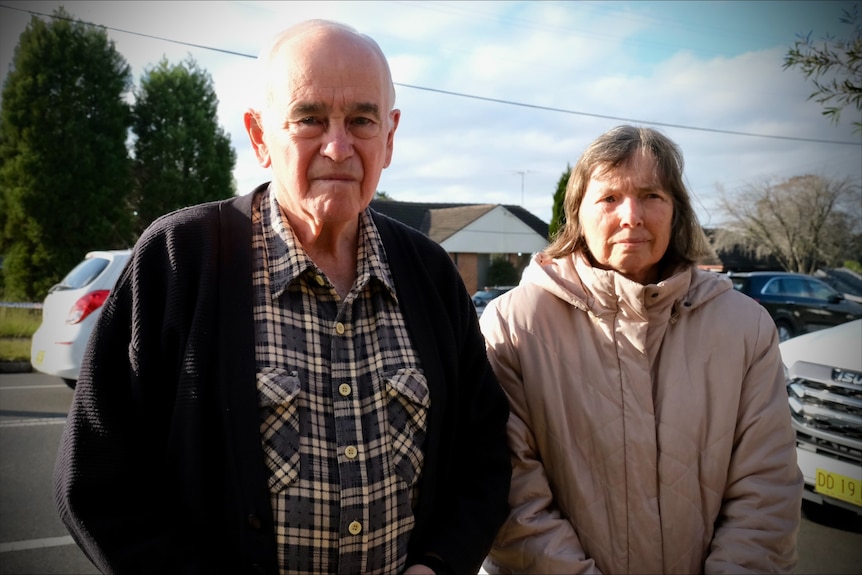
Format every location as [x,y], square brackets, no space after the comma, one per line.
[292,50]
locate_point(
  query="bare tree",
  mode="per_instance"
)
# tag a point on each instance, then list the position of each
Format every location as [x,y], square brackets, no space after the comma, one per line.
[804,222]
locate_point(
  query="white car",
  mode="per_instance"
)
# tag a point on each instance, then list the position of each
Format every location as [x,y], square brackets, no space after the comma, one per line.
[824,387]
[69,313]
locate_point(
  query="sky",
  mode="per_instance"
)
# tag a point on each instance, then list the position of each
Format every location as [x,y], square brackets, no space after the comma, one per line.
[498,99]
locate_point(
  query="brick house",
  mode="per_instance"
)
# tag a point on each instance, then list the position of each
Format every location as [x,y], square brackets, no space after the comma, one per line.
[473,234]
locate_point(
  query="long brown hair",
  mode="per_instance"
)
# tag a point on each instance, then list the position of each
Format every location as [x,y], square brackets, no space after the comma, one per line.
[612,149]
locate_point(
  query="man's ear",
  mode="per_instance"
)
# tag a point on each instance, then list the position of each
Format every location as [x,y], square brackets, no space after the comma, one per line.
[394,118]
[253,127]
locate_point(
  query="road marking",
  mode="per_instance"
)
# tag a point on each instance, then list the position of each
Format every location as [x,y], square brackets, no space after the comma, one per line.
[29,422]
[18,387]
[36,543]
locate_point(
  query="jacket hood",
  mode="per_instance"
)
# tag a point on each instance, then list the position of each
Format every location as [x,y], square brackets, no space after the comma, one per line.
[573,280]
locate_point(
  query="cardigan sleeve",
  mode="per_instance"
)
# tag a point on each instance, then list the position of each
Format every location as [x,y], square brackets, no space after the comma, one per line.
[126,461]
[462,499]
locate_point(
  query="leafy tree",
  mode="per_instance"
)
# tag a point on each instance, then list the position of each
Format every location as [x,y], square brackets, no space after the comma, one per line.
[501,272]
[804,222]
[558,214]
[182,155]
[835,67]
[382,195]
[64,165]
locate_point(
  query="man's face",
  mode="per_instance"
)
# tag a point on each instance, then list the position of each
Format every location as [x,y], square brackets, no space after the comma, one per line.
[626,218]
[328,131]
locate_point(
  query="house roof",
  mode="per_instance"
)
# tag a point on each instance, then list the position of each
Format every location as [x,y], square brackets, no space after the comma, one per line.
[440,220]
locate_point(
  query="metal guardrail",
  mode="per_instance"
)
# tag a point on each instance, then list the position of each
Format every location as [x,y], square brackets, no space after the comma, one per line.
[20,304]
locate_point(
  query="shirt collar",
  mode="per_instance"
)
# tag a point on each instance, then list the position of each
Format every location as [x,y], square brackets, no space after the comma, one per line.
[287,260]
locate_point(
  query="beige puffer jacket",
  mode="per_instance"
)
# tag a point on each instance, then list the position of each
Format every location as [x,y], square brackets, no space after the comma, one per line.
[650,430]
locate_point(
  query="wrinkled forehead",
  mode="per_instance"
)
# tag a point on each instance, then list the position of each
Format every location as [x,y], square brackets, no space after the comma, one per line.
[327,61]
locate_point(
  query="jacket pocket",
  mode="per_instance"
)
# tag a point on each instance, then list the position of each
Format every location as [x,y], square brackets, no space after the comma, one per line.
[407,410]
[278,394]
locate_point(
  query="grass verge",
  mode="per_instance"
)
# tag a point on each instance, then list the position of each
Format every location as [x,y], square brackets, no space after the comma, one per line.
[17,326]
[14,349]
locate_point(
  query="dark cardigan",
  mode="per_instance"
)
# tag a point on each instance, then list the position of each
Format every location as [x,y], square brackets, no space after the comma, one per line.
[160,467]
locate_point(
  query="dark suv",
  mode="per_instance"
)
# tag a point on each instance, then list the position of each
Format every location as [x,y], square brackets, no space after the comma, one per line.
[797,303]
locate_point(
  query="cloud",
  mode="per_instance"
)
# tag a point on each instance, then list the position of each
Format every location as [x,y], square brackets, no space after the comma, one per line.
[710,65]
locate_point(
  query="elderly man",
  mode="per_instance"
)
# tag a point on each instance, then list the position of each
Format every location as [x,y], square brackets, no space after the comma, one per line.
[288,381]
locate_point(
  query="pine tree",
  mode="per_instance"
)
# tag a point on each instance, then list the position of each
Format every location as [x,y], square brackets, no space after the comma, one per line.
[64,165]
[558,212]
[182,156]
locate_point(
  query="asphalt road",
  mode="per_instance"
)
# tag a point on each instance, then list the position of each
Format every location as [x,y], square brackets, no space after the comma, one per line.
[33,541]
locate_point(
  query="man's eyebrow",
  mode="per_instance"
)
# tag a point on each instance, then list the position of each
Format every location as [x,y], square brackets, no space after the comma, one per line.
[316,109]
[367,108]
[307,109]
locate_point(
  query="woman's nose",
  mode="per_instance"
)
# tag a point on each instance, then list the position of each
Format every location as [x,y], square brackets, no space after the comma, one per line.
[631,213]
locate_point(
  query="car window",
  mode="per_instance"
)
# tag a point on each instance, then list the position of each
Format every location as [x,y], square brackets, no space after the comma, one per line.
[84,273]
[773,287]
[820,290]
[797,287]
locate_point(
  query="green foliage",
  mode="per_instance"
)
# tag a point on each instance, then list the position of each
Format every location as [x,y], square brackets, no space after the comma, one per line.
[834,67]
[64,166]
[501,272]
[558,215]
[382,195]
[853,265]
[182,156]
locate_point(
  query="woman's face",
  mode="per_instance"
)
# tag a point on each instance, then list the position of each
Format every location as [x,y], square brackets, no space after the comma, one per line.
[626,218]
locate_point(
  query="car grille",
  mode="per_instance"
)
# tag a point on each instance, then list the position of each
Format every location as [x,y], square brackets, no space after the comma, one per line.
[826,405]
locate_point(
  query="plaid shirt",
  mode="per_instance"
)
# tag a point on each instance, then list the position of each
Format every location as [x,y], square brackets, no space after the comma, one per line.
[343,405]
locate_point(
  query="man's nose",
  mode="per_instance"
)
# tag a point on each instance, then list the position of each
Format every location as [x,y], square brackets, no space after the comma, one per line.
[337,142]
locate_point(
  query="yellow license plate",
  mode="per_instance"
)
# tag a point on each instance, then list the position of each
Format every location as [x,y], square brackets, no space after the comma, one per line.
[839,486]
[40,357]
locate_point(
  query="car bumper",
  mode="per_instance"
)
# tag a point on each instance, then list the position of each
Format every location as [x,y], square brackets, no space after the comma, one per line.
[57,352]
[810,461]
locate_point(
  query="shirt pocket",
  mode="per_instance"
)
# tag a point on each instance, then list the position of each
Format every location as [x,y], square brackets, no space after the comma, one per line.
[408,400]
[278,396]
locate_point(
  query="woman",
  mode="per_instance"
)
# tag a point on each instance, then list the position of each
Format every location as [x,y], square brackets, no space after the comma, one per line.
[650,430]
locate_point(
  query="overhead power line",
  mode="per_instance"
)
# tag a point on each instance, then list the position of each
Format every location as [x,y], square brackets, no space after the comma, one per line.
[472,96]
[631,120]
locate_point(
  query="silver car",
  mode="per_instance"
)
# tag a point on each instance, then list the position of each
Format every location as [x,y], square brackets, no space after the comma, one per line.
[824,388]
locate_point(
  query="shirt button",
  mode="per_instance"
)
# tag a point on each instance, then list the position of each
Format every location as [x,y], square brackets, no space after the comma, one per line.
[355,527]
[319,279]
[339,328]
[344,389]
[350,452]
